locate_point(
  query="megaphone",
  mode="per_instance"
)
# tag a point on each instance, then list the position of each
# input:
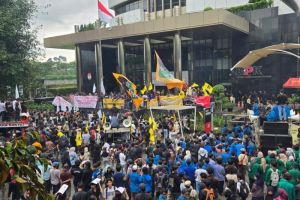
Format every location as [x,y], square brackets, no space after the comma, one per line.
[107,126]
[127,123]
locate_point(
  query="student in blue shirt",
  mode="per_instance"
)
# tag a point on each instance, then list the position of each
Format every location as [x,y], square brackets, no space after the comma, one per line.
[135,180]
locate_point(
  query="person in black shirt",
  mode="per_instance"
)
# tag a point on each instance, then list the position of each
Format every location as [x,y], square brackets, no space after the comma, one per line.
[174,184]
[87,176]
[77,174]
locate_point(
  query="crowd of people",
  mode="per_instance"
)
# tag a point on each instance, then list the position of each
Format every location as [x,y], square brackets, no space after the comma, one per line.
[206,166]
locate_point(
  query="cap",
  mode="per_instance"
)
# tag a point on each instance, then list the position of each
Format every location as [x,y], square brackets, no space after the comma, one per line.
[187,183]
[55,164]
[135,167]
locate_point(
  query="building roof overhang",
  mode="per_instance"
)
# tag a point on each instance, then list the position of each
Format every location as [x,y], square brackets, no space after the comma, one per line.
[218,17]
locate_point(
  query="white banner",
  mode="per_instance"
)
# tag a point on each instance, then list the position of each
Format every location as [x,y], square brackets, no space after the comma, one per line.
[85,101]
[60,101]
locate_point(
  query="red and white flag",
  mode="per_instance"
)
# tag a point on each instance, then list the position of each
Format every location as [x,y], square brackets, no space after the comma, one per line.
[105,14]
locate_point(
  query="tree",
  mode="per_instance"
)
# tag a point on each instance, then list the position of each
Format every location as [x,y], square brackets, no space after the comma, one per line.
[22,159]
[18,42]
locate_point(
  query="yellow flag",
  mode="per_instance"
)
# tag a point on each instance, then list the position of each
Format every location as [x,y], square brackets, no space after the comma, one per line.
[60,134]
[182,94]
[207,89]
[150,87]
[98,128]
[86,127]
[103,118]
[152,135]
[194,85]
[144,89]
[78,139]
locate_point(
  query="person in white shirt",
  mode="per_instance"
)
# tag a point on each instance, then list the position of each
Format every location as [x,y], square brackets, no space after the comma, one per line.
[122,158]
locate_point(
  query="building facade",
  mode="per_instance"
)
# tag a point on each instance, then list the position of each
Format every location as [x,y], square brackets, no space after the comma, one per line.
[197,45]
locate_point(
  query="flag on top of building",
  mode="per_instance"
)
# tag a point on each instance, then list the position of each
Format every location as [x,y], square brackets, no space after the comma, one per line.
[105,14]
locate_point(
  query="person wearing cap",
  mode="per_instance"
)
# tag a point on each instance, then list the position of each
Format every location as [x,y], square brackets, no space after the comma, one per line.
[135,181]
[55,177]
[94,192]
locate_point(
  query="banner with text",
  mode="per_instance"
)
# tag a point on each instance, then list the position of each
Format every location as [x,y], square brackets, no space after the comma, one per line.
[85,101]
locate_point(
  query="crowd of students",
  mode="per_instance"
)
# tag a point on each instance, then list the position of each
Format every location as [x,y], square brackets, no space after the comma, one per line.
[200,165]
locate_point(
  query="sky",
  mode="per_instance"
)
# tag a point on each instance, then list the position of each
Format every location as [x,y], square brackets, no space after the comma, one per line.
[58,17]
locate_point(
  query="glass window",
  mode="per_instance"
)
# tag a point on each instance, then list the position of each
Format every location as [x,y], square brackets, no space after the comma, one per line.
[183,2]
[167,4]
[152,5]
[158,5]
[175,3]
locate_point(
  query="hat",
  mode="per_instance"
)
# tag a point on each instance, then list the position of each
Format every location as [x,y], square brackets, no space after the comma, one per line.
[187,183]
[55,164]
[120,189]
[243,150]
[135,167]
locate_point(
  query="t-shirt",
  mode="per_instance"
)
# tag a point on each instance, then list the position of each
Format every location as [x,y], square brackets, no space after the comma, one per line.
[122,158]
[55,176]
[109,193]
[80,196]
[65,175]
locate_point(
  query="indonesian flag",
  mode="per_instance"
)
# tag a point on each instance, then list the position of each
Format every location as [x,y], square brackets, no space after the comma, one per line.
[105,14]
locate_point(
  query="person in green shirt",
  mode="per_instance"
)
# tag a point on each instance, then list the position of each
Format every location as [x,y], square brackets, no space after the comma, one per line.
[255,169]
[297,151]
[287,186]
[272,177]
[290,163]
[295,174]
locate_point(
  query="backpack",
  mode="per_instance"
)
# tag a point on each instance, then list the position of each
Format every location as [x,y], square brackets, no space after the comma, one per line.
[274,178]
[209,194]
[244,190]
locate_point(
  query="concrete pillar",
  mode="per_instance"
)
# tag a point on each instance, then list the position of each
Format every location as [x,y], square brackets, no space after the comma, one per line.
[191,63]
[99,64]
[121,57]
[79,68]
[163,8]
[177,56]
[147,60]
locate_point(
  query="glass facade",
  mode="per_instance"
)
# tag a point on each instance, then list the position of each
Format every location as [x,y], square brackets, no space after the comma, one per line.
[208,53]
[132,5]
[142,4]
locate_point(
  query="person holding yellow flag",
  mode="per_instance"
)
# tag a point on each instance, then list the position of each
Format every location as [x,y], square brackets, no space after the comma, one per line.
[78,138]
[152,128]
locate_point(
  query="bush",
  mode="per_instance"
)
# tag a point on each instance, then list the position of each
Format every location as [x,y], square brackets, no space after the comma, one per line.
[39,106]
[208,8]
[251,6]
[62,91]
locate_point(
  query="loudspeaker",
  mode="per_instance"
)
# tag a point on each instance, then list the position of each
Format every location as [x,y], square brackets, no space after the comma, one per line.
[276,128]
[270,142]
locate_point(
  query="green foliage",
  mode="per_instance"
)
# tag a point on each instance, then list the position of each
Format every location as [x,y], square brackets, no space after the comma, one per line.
[208,8]
[87,27]
[221,101]
[18,43]
[252,5]
[62,91]
[294,99]
[22,159]
[39,106]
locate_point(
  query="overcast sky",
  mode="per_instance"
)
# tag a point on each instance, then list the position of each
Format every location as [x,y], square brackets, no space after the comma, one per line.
[58,17]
